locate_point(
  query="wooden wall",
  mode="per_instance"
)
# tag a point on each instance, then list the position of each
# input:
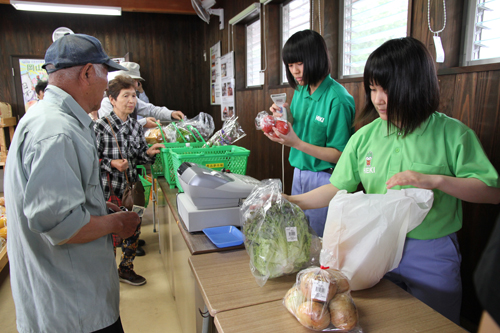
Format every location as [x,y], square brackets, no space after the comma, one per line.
[170,50]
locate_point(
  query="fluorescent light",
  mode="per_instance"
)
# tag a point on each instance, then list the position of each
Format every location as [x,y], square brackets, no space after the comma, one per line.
[63,8]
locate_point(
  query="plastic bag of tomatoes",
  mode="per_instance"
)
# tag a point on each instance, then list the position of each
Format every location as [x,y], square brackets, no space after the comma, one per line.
[266,122]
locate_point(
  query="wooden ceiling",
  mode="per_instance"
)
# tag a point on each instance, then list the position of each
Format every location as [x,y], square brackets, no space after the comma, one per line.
[146,6]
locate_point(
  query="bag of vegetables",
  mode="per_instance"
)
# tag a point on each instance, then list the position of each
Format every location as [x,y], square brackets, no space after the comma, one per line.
[321,300]
[278,237]
[230,132]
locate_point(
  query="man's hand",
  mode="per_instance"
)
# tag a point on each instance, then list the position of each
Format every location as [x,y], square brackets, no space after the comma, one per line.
[150,122]
[121,165]
[112,206]
[128,223]
[177,115]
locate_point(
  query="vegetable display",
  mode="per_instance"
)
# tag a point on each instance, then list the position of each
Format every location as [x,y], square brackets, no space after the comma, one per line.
[278,238]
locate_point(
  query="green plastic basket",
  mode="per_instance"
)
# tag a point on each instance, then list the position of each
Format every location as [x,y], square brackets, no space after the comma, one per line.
[145,183]
[231,158]
[163,165]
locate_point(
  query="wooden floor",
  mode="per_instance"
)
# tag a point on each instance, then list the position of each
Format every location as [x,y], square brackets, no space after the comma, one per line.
[148,308]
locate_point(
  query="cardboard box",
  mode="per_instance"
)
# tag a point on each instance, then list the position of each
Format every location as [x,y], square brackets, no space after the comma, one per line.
[5,110]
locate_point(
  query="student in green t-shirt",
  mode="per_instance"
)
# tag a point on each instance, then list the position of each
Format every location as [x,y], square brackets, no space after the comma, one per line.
[412,145]
[323,116]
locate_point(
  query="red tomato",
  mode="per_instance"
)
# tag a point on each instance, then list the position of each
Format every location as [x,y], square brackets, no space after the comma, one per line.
[267,124]
[282,127]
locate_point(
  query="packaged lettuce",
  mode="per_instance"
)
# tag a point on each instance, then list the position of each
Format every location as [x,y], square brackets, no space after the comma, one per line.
[278,238]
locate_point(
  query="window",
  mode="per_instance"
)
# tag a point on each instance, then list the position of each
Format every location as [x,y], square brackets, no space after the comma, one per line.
[483,32]
[367,25]
[253,54]
[295,17]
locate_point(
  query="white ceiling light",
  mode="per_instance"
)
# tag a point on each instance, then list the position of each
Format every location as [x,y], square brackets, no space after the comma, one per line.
[63,8]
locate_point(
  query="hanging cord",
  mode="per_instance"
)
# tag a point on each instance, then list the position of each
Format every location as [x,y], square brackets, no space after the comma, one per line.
[283,167]
[436,33]
[312,14]
[319,15]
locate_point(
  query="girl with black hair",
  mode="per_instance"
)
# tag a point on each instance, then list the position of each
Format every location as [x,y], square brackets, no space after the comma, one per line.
[323,115]
[412,145]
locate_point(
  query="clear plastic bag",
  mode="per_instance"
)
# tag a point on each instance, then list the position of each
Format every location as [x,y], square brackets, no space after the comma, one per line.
[365,233]
[278,237]
[321,301]
[203,122]
[264,121]
[154,135]
[230,132]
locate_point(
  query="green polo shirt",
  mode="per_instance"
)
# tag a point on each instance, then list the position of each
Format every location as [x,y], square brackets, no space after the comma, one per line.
[322,119]
[440,146]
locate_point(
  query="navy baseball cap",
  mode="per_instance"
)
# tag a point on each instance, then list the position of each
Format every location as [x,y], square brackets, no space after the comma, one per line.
[76,50]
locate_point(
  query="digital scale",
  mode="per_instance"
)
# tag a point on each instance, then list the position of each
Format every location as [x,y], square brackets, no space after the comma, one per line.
[211,198]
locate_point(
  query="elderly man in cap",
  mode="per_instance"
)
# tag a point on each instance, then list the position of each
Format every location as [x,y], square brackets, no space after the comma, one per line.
[62,266]
[148,111]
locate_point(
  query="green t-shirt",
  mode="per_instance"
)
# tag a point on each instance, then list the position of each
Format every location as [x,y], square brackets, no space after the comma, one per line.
[322,119]
[440,146]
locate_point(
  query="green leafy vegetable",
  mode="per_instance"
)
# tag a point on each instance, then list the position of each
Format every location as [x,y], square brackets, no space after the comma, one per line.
[271,253]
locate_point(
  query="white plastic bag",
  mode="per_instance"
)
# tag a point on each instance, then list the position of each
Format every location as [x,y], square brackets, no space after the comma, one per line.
[365,233]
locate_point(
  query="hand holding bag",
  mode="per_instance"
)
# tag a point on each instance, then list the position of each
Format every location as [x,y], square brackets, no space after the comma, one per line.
[134,192]
[365,233]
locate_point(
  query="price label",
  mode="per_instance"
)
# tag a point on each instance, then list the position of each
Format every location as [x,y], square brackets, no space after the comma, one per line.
[291,234]
[319,290]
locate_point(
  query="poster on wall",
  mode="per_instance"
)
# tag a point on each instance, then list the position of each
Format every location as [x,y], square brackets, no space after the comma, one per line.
[227,106]
[215,75]
[227,65]
[227,85]
[31,72]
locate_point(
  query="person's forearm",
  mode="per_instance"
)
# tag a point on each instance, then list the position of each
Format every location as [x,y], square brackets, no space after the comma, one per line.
[97,227]
[488,324]
[327,154]
[468,189]
[150,110]
[317,198]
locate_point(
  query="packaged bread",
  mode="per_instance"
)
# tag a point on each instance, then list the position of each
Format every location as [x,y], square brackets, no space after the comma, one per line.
[153,136]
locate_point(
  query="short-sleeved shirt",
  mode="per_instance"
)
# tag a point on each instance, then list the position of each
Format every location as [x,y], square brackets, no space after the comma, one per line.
[52,187]
[440,146]
[323,119]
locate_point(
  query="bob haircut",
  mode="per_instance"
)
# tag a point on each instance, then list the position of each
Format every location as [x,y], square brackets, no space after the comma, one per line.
[309,48]
[119,83]
[404,68]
